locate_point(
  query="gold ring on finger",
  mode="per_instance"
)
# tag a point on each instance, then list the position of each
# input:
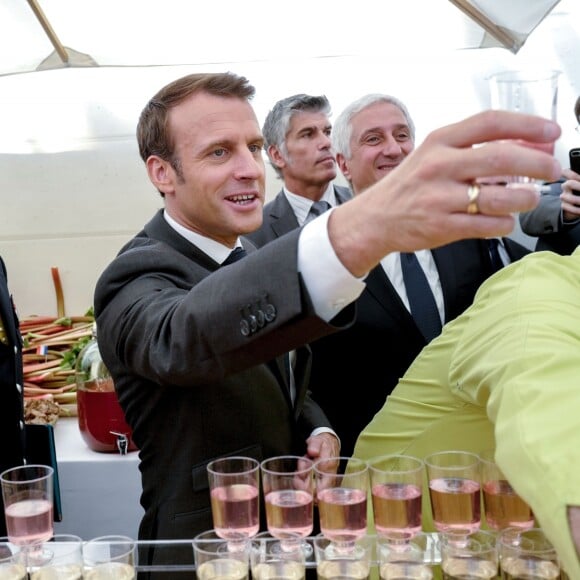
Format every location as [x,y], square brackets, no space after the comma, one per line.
[473,192]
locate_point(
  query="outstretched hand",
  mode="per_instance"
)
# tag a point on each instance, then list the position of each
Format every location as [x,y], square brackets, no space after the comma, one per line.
[424,202]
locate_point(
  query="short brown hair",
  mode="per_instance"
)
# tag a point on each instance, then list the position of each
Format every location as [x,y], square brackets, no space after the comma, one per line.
[153,135]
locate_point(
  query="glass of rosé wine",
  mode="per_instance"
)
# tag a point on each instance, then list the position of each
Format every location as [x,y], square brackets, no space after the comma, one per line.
[504,508]
[534,92]
[454,490]
[234,484]
[27,491]
[396,491]
[288,484]
[341,492]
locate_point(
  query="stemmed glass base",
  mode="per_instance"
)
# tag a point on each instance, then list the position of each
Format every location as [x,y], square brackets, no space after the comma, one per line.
[347,549]
[36,555]
[286,546]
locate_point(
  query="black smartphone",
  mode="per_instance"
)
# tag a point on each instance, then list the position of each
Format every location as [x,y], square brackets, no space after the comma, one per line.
[575,159]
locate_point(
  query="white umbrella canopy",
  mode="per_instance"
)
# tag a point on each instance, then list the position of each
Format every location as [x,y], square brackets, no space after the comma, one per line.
[40,34]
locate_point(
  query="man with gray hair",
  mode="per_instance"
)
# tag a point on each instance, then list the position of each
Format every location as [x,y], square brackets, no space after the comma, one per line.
[408,297]
[297,141]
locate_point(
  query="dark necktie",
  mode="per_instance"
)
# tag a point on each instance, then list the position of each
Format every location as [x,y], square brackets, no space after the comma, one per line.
[317,208]
[421,299]
[496,261]
[235,255]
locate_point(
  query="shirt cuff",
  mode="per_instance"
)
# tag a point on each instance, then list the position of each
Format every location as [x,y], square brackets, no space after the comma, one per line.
[330,285]
[320,430]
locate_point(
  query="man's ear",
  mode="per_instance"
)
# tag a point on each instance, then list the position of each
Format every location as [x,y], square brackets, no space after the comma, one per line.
[342,165]
[276,157]
[161,174]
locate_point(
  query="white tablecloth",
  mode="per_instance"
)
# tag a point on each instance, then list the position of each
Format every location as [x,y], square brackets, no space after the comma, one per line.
[99,491]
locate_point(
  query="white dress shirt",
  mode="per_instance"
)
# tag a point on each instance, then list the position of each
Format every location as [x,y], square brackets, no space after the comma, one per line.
[301,205]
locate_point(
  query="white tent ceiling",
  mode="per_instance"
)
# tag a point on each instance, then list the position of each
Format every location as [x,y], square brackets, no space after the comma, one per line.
[182,32]
[411,48]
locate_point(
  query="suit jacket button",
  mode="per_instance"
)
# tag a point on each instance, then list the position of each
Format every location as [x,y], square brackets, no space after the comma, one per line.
[253,321]
[245,328]
[270,312]
[260,318]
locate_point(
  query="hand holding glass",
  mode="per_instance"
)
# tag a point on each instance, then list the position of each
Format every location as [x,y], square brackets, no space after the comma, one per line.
[534,92]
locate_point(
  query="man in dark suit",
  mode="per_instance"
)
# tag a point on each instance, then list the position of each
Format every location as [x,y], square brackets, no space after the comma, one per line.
[192,342]
[11,392]
[353,371]
[297,141]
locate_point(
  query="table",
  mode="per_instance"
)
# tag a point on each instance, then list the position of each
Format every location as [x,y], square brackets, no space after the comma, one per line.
[99,491]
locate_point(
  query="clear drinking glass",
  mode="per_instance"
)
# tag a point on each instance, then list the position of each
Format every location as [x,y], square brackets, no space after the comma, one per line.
[404,556]
[28,507]
[288,485]
[473,555]
[12,561]
[454,490]
[504,508]
[342,499]
[533,91]
[396,489]
[215,560]
[527,554]
[353,564]
[268,562]
[234,484]
[109,558]
[65,561]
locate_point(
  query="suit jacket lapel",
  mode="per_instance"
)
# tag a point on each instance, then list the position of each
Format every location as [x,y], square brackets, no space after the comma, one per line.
[342,194]
[445,262]
[282,216]
[302,367]
[380,288]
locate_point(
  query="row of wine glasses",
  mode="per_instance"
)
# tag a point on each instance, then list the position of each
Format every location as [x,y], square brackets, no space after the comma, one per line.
[289,492]
[339,486]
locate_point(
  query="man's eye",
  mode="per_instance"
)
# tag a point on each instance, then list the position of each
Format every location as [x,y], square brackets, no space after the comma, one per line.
[219,152]
[255,148]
